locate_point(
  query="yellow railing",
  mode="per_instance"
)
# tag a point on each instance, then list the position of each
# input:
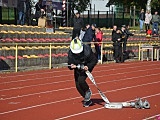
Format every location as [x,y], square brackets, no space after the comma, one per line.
[51,46]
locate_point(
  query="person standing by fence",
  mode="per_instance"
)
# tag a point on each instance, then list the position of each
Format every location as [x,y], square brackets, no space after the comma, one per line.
[89,35]
[77,25]
[21,7]
[117,39]
[155,22]
[99,36]
[124,37]
[141,19]
[148,18]
[114,31]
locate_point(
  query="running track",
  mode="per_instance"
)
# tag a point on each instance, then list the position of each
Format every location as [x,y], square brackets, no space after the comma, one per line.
[51,94]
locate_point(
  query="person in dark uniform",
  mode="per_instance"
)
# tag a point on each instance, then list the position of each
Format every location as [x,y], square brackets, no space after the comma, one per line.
[117,39]
[114,31]
[124,37]
[77,25]
[81,54]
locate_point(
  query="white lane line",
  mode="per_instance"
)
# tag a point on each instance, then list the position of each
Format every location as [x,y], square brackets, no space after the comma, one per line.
[43,84]
[95,71]
[36,78]
[119,80]
[125,64]
[45,92]
[153,117]
[72,74]
[64,75]
[40,105]
[77,114]
[65,81]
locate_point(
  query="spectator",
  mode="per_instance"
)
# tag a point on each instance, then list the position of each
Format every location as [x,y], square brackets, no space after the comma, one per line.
[114,31]
[21,7]
[99,36]
[148,18]
[82,32]
[155,22]
[77,25]
[81,54]
[128,32]
[141,19]
[40,10]
[124,37]
[89,35]
[117,38]
[125,51]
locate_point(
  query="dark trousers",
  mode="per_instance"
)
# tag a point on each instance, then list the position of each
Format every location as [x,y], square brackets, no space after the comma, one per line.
[155,28]
[118,53]
[124,45]
[98,51]
[147,26]
[80,81]
[75,33]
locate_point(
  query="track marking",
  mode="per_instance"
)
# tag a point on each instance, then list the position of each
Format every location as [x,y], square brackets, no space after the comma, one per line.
[40,105]
[119,80]
[68,75]
[158,115]
[70,80]
[126,64]
[45,92]
[34,85]
[73,115]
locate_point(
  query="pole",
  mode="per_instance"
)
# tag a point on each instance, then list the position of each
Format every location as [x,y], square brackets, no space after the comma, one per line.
[94,13]
[50,57]
[16,63]
[130,12]
[67,13]
[134,15]
[139,51]
[64,12]
[102,53]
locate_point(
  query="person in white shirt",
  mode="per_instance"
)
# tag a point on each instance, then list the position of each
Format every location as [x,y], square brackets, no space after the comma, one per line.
[148,18]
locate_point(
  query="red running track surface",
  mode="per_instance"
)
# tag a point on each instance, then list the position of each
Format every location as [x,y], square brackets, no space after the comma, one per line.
[51,94]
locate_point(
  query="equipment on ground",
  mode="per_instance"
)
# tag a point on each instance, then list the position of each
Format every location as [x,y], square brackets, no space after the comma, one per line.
[139,104]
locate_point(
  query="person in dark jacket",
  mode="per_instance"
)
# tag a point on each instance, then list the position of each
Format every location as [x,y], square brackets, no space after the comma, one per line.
[114,31]
[89,35]
[117,39]
[125,35]
[21,7]
[141,19]
[81,54]
[78,24]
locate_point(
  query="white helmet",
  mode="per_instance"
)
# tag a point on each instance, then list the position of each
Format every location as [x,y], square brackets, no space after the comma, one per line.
[76,46]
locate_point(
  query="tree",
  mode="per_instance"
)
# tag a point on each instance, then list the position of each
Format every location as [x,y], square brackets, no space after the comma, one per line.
[79,5]
[155,4]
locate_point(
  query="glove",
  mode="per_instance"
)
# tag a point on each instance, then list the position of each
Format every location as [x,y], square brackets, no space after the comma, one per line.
[80,66]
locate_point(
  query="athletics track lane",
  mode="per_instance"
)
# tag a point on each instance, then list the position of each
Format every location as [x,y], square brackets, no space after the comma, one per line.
[77,107]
